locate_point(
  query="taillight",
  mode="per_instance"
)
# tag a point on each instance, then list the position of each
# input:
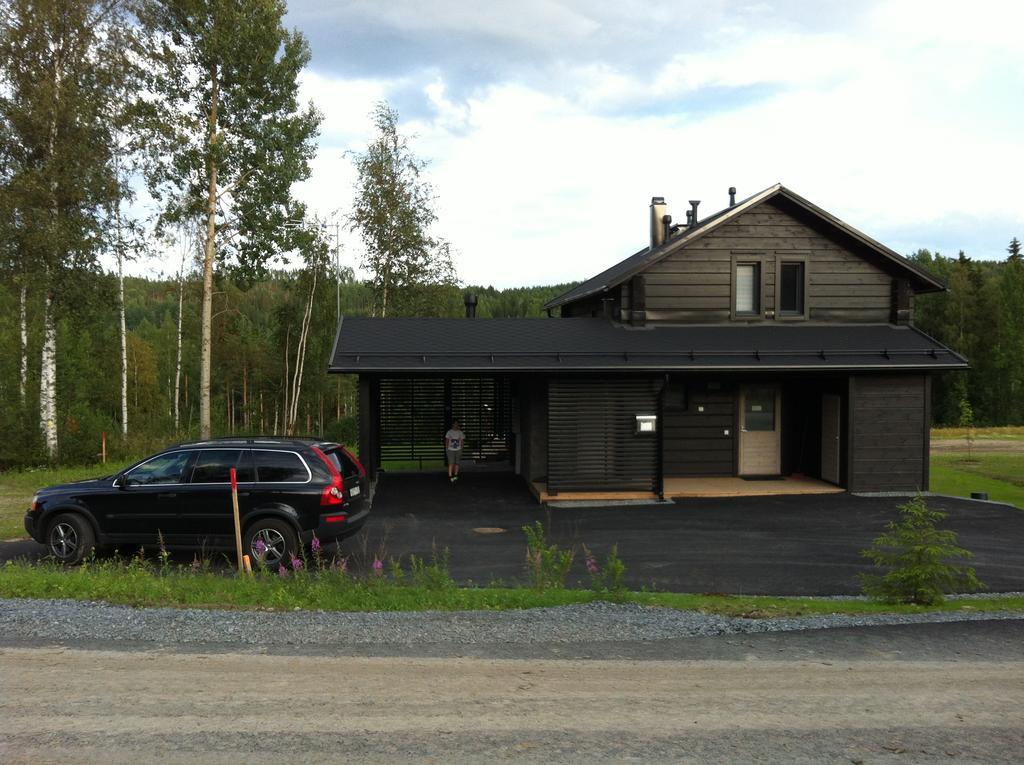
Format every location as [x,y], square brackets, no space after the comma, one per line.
[336,518]
[334,493]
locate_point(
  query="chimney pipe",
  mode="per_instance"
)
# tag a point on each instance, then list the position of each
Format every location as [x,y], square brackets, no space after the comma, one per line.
[470,301]
[732,196]
[689,217]
[658,208]
[693,212]
[666,224]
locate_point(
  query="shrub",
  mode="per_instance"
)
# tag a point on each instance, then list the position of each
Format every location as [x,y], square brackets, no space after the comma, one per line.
[920,558]
[606,579]
[547,566]
[433,575]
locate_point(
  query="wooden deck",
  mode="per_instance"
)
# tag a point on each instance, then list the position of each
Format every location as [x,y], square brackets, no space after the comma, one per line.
[697,487]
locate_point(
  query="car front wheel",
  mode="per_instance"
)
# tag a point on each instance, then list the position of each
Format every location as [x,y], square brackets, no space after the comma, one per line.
[271,542]
[70,538]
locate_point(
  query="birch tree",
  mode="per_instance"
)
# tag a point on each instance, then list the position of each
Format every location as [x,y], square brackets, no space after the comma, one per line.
[228,137]
[63,64]
[393,211]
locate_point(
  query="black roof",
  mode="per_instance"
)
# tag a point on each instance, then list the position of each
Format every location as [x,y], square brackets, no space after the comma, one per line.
[491,345]
[640,260]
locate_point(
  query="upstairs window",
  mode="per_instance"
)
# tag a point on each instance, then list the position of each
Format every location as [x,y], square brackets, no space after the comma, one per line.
[748,289]
[791,299]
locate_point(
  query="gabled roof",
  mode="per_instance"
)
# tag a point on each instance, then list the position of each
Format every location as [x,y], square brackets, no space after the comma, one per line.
[421,345]
[646,257]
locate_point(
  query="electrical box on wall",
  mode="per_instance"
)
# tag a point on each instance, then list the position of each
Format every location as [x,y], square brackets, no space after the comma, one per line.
[646,423]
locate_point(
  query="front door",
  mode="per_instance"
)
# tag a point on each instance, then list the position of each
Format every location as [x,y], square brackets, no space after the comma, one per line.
[760,433]
[830,414]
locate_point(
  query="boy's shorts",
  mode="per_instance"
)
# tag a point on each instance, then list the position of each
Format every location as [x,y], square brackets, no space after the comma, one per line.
[453,455]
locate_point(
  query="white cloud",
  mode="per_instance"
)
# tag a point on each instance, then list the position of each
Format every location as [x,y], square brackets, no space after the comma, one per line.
[906,120]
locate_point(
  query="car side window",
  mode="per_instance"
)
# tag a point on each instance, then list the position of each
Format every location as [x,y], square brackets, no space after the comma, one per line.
[343,463]
[279,467]
[214,466]
[167,468]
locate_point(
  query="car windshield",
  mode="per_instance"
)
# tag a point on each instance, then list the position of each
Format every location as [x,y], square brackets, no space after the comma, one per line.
[166,468]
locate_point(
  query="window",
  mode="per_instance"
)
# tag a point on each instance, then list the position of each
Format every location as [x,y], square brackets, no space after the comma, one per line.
[791,289]
[342,463]
[759,409]
[214,466]
[167,468]
[748,289]
[280,467]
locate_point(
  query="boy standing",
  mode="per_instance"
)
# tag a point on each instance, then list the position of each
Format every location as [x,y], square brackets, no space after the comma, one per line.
[453,441]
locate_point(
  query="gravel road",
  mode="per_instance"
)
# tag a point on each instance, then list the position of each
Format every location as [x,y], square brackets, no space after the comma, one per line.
[68,620]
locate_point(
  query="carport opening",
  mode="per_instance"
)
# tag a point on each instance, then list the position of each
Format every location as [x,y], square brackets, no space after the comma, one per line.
[416,412]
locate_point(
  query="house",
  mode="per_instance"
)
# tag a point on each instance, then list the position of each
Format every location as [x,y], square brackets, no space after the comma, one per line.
[767,341]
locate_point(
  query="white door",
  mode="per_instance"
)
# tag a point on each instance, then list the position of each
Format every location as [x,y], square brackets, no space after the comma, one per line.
[830,415]
[760,433]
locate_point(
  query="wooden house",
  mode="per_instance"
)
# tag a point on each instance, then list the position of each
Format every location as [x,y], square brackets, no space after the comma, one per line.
[769,341]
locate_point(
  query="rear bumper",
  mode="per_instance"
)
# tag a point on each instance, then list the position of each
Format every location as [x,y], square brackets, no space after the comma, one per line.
[332,532]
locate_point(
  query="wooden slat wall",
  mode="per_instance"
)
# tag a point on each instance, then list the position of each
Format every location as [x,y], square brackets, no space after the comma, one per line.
[592,442]
[889,428]
[695,442]
[693,285]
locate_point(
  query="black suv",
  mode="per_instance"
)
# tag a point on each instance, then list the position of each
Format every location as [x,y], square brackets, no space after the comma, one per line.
[289,489]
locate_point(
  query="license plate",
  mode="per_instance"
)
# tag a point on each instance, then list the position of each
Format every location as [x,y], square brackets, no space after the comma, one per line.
[354,491]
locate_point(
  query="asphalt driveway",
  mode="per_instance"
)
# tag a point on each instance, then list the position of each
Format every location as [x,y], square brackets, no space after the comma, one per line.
[798,545]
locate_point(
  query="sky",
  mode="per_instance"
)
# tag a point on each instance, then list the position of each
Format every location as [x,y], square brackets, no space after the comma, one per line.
[548,125]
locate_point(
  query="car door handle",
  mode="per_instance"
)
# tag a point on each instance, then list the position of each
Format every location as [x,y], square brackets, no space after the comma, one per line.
[166,496]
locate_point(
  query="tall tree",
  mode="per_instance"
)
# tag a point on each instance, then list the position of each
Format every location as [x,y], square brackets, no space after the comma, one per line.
[229,138]
[64,64]
[1014,249]
[393,212]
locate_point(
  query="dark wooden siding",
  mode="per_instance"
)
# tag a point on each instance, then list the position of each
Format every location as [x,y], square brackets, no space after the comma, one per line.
[693,285]
[889,418]
[592,443]
[699,443]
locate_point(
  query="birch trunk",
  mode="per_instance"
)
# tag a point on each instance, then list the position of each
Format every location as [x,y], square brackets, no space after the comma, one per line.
[300,356]
[48,381]
[124,333]
[177,361]
[209,251]
[23,319]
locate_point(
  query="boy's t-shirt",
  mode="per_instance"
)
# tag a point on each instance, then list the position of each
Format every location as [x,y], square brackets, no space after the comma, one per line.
[454,439]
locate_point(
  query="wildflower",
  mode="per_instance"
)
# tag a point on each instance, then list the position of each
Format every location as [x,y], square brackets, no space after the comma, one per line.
[378,566]
[315,544]
[296,564]
[592,567]
[282,571]
[341,564]
[196,563]
[260,547]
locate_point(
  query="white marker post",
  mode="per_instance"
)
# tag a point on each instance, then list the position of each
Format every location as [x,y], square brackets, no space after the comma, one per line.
[238,523]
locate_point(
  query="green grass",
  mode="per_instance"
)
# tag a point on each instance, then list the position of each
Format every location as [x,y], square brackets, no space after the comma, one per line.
[1006,432]
[1001,475]
[137,584]
[18,486]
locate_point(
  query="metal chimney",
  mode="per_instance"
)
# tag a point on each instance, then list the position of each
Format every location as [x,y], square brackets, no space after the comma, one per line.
[658,208]
[470,300]
[732,196]
[693,212]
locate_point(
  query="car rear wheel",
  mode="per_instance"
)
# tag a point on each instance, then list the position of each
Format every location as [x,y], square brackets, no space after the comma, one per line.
[270,542]
[70,538]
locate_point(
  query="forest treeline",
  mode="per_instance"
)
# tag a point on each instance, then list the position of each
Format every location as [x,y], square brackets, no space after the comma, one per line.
[255,325]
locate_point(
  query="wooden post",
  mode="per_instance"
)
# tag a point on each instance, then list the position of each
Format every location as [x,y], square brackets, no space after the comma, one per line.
[103,447]
[238,524]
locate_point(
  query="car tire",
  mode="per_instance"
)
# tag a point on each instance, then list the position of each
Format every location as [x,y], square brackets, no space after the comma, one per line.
[70,538]
[279,539]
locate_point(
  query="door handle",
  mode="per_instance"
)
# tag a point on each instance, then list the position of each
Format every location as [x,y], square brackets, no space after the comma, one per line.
[166,496]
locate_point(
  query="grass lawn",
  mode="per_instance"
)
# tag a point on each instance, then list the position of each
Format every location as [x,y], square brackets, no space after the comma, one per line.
[1008,433]
[18,486]
[151,585]
[1001,475]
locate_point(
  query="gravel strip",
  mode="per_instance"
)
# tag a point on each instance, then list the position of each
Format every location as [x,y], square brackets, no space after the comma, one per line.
[68,620]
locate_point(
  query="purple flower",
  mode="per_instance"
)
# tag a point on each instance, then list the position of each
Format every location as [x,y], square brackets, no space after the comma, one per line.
[341,564]
[259,546]
[296,564]
[282,571]
[315,544]
[378,566]
[592,567]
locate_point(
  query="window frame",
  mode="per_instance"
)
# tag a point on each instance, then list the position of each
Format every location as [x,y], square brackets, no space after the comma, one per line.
[302,461]
[242,451]
[741,258]
[782,259]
